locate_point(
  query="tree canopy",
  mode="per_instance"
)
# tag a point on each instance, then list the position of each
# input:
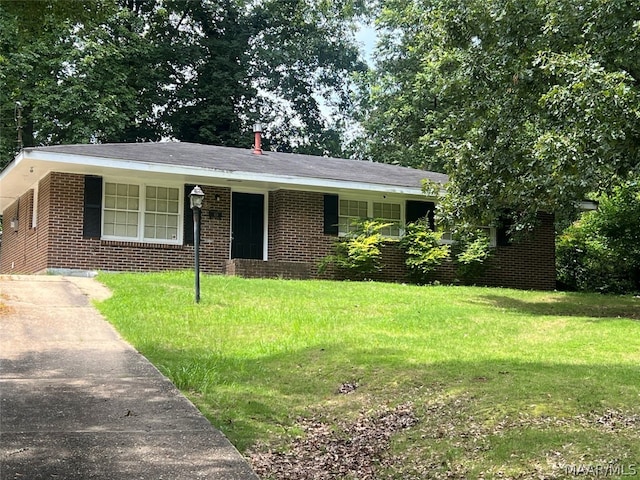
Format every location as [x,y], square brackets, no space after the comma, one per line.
[528,105]
[193,70]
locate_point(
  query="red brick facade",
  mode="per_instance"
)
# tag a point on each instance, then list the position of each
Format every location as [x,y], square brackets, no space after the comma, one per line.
[296,241]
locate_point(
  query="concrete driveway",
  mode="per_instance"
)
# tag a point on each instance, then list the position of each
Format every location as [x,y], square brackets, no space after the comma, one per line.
[77,402]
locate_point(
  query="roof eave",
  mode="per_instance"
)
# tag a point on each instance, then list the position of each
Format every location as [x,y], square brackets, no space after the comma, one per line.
[42,162]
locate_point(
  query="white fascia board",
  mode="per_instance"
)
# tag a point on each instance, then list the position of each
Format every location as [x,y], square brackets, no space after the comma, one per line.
[12,165]
[185,171]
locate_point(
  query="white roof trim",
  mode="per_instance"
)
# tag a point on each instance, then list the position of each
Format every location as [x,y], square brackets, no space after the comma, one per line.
[138,166]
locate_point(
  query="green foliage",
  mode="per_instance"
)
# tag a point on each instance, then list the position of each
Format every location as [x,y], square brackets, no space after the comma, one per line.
[527,105]
[423,249]
[472,249]
[199,71]
[357,255]
[600,251]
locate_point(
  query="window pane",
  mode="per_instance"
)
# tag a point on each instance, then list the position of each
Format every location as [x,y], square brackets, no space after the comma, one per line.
[162,217]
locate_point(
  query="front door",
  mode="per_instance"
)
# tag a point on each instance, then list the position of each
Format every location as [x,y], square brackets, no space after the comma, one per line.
[247,225]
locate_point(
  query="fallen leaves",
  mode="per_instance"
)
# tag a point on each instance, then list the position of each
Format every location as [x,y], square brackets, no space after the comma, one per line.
[347,450]
[360,449]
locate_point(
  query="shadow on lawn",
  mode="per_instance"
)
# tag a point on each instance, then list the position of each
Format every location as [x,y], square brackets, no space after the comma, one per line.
[251,397]
[574,305]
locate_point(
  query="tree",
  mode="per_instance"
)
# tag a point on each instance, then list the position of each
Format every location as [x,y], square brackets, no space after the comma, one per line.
[81,80]
[200,71]
[528,105]
[303,58]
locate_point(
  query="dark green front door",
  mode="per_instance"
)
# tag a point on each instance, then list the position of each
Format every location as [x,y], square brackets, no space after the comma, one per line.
[247,225]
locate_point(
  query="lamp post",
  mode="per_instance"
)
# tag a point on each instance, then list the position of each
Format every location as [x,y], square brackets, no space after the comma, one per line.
[196,197]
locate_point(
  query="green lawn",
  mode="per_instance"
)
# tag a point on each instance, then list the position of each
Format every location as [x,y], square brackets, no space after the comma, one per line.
[452,382]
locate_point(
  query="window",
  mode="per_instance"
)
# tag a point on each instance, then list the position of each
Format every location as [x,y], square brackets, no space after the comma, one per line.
[389,213]
[121,206]
[350,210]
[153,216]
[161,213]
[447,237]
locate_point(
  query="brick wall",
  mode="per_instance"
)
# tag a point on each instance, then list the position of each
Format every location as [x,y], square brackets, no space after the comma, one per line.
[297,242]
[528,264]
[296,227]
[25,250]
[269,269]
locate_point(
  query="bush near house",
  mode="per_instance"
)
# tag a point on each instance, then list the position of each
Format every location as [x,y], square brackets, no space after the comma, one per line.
[423,249]
[357,254]
[600,252]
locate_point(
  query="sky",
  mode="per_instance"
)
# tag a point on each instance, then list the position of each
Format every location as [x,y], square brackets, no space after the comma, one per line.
[366,37]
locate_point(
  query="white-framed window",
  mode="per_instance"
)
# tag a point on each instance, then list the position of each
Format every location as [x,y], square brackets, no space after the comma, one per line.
[144,213]
[490,232]
[389,213]
[350,209]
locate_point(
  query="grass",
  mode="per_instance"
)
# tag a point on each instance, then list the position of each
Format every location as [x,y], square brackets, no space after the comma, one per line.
[504,383]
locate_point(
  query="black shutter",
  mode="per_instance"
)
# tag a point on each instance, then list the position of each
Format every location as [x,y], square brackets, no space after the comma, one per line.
[417,210]
[188,217]
[331,214]
[92,219]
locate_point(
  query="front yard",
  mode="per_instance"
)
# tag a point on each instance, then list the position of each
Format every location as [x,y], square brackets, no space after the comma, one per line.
[318,379]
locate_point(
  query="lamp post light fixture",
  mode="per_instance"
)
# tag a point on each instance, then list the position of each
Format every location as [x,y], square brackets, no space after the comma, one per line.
[196,198]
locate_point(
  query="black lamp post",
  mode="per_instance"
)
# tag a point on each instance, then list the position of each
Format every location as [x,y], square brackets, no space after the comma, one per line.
[196,197]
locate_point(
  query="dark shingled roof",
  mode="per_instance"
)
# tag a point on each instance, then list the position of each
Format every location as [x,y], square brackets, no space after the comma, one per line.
[229,159]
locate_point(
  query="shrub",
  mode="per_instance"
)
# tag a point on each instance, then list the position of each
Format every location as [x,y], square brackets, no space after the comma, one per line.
[472,249]
[357,254]
[423,249]
[583,260]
